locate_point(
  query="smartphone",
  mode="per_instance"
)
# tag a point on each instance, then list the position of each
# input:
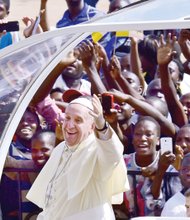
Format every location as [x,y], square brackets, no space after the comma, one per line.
[166,144]
[107,102]
[9,26]
[37,21]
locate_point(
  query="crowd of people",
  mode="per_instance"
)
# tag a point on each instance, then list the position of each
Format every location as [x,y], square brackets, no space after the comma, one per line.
[96,160]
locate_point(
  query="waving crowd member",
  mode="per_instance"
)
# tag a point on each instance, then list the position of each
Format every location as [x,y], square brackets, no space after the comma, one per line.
[7,38]
[77,12]
[175,206]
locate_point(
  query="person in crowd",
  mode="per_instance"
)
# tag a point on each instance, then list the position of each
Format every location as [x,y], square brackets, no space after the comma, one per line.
[164,56]
[127,81]
[148,56]
[72,77]
[45,105]
[20,149]
[86,192]
[175,206]
[146,159]
[21,145]
[184,38]
[183,139]
[7,38]
[130,85]
[43,143]
[185,101]
[77,12]
[56,94]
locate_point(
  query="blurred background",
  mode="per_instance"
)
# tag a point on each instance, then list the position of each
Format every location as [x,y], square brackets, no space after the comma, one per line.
[21,8]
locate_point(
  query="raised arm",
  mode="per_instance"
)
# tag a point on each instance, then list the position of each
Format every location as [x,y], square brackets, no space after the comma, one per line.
[165,160]
[144,108]
[135,61]
[164,56]
[123,82]
[88,56]
[48,83]
[44,20]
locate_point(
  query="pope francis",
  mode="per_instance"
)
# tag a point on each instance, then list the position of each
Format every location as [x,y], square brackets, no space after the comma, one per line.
[86,173]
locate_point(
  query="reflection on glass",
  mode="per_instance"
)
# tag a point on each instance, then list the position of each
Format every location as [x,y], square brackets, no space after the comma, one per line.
[19,69]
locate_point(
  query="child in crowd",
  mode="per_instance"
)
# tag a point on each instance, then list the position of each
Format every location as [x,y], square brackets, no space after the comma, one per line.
[7,38]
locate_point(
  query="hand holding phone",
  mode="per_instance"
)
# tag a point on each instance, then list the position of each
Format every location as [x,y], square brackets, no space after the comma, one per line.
[9,26]
[166,144]
[107,102]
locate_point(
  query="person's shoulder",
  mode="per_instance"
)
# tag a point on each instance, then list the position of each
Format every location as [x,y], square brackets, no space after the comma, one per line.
[64,21]
[172,205]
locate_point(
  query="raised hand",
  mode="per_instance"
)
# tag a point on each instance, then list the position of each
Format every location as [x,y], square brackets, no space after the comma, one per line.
[179,154]
[97,113]
[165,49]
[87,54]
[115,67]
[59,130]
[165,160]
[30,24]
[119,97]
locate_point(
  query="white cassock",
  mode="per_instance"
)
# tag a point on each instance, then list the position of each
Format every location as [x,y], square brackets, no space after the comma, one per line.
[81,184]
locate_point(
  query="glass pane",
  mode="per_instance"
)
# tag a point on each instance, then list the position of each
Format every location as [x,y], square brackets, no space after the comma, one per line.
[19,69]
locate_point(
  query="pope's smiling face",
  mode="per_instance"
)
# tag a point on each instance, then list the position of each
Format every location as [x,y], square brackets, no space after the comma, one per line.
[78,124]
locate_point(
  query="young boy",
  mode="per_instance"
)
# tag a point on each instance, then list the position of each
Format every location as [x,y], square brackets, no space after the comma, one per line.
[6,38]
[42,145]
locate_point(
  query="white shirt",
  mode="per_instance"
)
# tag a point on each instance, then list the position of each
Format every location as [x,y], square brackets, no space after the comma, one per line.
[84,87]
[175,206]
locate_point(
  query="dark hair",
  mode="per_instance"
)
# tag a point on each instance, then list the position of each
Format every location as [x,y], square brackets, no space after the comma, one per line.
[57,89]
[148,49]
[35,115]
[42,131]
[159,104]
[6,3]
